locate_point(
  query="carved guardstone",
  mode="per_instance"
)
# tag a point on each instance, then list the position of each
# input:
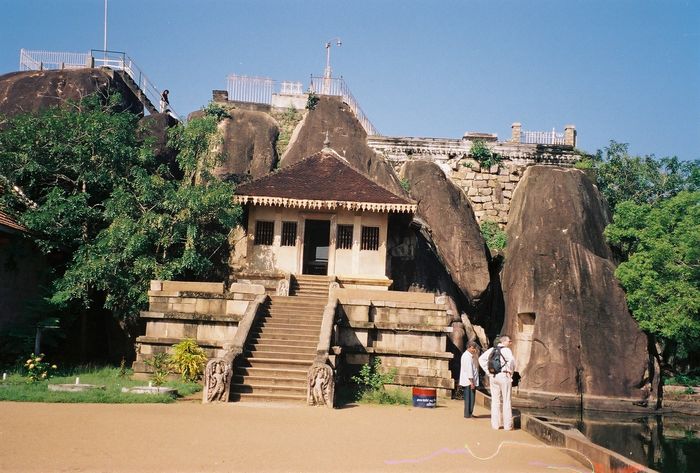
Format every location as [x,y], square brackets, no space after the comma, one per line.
[320,385]
[217,380]
[282,288]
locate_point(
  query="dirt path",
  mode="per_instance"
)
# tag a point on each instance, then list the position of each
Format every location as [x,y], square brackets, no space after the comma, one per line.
[191,437]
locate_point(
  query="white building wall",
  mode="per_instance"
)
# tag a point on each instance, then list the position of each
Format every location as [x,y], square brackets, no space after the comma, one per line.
[353,262]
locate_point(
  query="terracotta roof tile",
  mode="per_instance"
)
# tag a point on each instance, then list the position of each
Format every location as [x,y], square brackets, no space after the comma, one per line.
[8,222]
[323,176]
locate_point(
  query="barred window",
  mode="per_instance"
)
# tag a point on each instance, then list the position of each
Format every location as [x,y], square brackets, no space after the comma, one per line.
[344,237]
[289,233]
[264,232]
[370,238]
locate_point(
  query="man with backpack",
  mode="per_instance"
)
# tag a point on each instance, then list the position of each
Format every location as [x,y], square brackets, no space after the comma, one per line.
[498,362]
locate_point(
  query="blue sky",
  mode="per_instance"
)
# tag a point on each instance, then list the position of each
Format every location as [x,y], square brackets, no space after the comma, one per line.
[622,70]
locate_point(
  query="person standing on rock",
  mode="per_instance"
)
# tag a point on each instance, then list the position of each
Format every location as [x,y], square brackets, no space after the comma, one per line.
[469,377]
[501,383]
[164,102]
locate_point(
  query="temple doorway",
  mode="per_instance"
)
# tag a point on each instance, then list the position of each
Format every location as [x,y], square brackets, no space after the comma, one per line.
[316,243]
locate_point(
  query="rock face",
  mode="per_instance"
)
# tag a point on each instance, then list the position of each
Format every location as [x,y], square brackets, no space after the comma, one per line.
[347,137]
[32,91]
[249,139]
[565,311]
[451,226]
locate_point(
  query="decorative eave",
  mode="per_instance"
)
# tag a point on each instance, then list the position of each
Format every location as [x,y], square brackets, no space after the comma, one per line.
[323,204]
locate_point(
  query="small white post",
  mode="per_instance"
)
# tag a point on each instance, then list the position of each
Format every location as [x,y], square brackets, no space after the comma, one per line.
[4,376]
[150,384]
[77,380]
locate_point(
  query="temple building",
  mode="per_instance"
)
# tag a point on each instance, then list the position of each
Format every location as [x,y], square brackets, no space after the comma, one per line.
[319,216]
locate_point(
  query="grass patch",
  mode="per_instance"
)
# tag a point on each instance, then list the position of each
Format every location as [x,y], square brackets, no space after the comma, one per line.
[394,397]
[16,388]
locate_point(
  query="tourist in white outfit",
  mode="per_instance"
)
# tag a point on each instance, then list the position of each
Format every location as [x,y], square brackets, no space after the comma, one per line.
[501,385]
[469,377]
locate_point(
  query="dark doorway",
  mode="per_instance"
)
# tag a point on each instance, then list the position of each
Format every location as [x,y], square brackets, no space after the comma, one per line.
[316,241]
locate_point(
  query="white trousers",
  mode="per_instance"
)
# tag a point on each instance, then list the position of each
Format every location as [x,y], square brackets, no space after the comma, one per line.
[501,411]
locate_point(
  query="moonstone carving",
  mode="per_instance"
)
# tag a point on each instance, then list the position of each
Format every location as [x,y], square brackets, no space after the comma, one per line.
[321,385]
[282,288]
[217,380]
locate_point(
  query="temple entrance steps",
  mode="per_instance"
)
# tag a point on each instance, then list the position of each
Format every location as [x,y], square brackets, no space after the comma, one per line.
[280,351]
[306,285]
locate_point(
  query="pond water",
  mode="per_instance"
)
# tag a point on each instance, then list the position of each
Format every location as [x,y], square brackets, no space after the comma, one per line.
[666,443]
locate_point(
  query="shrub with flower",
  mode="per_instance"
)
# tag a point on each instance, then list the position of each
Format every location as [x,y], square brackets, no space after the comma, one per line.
[37,368]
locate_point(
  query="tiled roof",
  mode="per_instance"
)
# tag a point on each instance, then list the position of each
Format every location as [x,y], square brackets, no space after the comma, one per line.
[8,222]
[324,179]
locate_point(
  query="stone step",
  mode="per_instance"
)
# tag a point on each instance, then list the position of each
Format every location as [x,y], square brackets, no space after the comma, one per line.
[294,319]
[257,335]
[276,363]
[301,344]
[298,382]
[294,325]
[265,354]
[255,397]
[259,346]
[298,301]
[269,389]
[278,373]
[292,332]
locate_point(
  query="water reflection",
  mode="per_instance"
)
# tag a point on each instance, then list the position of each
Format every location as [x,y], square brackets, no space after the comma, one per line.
[667,443]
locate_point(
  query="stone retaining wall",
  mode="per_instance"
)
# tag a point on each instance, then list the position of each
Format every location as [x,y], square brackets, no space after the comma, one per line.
[204,312]
[490,190]
[410,336]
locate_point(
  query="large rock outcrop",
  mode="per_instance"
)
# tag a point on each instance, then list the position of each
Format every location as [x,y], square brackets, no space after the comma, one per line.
[346,136]
[573,335]
[248,141]
[449,223]
[33,91]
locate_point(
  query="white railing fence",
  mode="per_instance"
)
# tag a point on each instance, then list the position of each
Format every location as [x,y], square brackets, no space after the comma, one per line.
[116,60]
[338,87]
[543,137]
[252,89]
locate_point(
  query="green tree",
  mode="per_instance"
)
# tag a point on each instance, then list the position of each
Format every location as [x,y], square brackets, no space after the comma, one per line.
[662,273]
[90,192]
[641,179]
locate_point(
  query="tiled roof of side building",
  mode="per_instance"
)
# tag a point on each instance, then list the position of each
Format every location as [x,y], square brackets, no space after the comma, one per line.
[323,176]
[7,222]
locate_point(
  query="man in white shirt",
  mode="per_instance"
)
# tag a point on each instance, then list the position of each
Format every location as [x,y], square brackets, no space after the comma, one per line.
[469,377]
[501,384]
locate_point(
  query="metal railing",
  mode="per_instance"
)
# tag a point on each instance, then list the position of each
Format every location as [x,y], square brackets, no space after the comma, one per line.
[116,60]
[543,137]
[338,87]
[253,89]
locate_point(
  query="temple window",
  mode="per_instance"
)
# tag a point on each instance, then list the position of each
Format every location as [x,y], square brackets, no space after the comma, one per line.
[289,233]
[264,232]
[344,237]
[370,238]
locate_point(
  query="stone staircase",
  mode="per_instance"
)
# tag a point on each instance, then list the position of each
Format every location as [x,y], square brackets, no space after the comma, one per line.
[282,346]
[305,285]
[140,94]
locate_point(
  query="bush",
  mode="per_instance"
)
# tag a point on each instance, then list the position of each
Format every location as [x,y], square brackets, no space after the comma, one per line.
[370,383]
[189,359]
[493,235]
[37,369]
[483,155]
[312,101]
[160,363]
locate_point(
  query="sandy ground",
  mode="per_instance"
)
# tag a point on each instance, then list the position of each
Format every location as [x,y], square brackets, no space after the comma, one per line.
[191,437]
